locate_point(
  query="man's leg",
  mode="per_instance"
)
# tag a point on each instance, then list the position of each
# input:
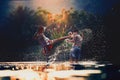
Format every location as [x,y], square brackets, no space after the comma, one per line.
[77,54]
[72,55]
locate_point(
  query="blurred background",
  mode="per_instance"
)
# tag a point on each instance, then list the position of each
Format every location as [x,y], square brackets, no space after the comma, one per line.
[97,20]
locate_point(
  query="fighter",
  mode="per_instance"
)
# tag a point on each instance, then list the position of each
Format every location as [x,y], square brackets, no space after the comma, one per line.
[76,41]
[45,42]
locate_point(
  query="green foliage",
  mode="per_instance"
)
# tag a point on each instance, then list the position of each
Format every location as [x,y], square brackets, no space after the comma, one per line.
[81,19]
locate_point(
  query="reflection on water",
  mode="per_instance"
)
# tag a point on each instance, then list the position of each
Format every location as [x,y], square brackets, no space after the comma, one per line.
[84,70]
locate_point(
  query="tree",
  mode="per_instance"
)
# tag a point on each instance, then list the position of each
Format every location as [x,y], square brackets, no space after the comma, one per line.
[20,27]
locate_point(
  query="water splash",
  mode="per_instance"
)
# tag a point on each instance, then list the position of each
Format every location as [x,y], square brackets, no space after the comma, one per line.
[63,50]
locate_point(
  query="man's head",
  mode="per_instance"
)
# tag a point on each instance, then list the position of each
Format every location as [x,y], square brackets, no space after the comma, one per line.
[75,31]
[41,29]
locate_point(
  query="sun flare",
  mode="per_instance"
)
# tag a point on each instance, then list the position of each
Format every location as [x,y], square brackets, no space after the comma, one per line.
[54,6]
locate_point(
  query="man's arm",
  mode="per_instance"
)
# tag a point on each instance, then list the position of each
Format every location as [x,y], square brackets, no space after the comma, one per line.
[70,40]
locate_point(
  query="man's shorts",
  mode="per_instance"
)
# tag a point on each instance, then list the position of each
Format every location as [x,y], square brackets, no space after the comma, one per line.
[75,52]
